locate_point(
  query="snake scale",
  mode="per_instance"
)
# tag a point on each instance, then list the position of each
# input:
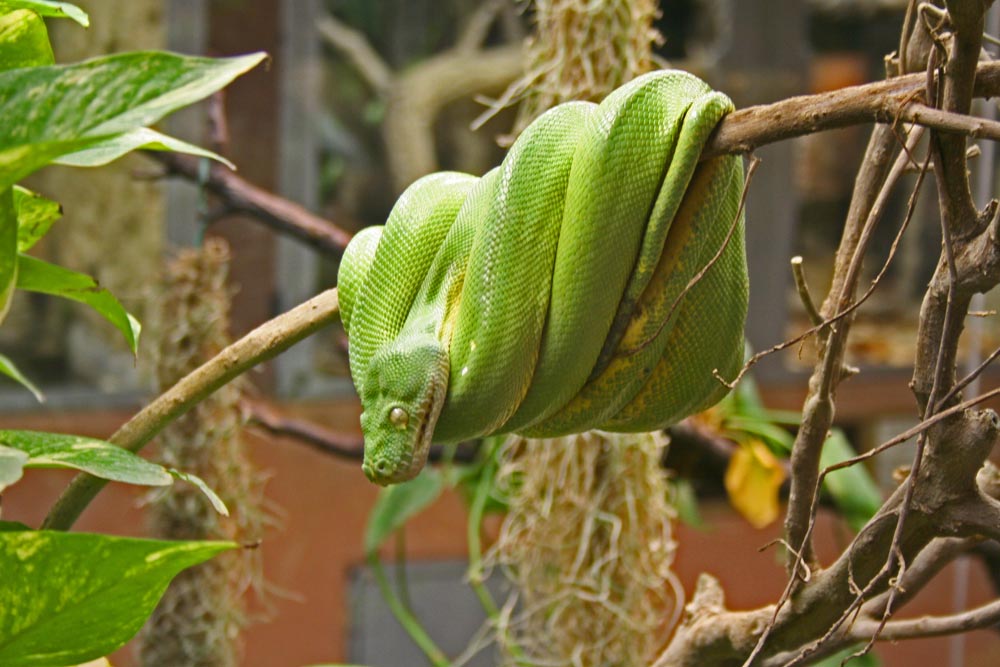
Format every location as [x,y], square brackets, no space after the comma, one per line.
[559,292]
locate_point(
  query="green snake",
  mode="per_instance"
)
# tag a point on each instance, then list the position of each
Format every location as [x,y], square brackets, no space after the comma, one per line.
[564,290]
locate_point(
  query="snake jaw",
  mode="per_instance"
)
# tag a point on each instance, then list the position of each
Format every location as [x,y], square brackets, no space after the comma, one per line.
[408,391]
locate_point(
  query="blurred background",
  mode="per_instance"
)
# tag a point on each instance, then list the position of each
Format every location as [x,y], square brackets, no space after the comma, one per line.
[361,97]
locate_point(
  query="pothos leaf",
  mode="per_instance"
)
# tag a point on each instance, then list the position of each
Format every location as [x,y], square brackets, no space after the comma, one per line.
[36,275]
[113,148]
[24,41]
[97,457]
[66,108]
[8,368]
[49,8]
[72,597]
[35,215]
[11,465]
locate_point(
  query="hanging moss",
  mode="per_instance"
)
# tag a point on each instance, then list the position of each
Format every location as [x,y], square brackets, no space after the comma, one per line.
[197,622]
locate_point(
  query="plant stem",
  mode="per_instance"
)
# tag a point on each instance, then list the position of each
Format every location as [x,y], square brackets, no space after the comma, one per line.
[405,618]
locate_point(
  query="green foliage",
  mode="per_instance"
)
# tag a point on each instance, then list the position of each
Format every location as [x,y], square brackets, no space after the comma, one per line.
[398,504]
[34,449]
[35,215]
[66,108]
[48,8]
[11,465]
[24,41]
[35,275]
[69,598]
[143,138]
[72,597]
[852,489]
[855,492]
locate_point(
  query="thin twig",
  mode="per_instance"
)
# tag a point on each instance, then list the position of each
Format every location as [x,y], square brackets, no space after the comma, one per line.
[798,273]
[983,616]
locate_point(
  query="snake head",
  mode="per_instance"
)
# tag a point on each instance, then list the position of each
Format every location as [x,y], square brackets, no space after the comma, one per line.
[404,389]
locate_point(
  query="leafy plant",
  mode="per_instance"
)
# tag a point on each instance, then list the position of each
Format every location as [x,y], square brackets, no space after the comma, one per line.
[68,597]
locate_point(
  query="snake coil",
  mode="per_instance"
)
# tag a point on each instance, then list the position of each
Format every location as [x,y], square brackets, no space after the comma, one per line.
[564,290]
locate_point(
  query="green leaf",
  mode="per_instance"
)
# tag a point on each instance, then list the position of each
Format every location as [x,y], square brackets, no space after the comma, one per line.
[212,496]
[97,457]
[838,659]
[49,8]
[852,488]
[8,250]
[36,275]
[12,525]
[685,500]
[66,108]
[8,368]
[72,597]
[35,215]
[24,41]
[111,149]
[11,465]
[397,504]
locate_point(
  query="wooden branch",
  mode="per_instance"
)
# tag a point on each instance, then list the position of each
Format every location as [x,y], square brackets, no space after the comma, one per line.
[356,48]
[265,416]
[261,344]
[477,26]
[891,101]
[984,616]
[335,443]
[241,196]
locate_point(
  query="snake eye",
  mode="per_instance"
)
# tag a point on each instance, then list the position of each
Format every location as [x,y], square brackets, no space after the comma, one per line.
[398,417]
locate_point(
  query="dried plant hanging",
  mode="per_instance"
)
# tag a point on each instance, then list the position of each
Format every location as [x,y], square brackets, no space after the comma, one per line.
[198,620]
[580,50]
[587,543]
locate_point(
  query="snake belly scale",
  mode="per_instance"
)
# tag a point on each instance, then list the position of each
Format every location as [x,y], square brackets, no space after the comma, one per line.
[556,293]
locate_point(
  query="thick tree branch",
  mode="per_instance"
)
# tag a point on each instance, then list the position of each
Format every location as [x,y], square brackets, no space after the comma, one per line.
[261,344]
[891,101]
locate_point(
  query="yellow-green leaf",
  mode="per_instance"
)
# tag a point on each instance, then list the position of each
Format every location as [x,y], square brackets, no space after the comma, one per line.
[752,480]
[24,41]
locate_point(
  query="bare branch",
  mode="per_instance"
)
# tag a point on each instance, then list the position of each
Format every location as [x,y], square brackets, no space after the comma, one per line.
[890,101]
[241,196]
[984,616]
[477,27]
[356,48]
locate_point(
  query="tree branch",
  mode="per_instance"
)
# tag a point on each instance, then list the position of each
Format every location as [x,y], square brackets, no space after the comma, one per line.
[261,344]
[984,616]
[356,48]
[241,196]
[891,101]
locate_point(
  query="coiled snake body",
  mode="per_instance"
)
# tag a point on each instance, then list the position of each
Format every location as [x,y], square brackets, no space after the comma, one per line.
[552,295]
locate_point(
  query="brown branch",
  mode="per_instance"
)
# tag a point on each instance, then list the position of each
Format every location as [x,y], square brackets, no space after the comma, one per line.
[939,553]
[265,416]
[889,101]
[478,25]
[241,196]
[337,444]
[356,48]
[984,616]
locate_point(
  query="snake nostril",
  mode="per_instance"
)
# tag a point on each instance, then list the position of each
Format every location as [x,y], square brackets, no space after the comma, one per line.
[382,467]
